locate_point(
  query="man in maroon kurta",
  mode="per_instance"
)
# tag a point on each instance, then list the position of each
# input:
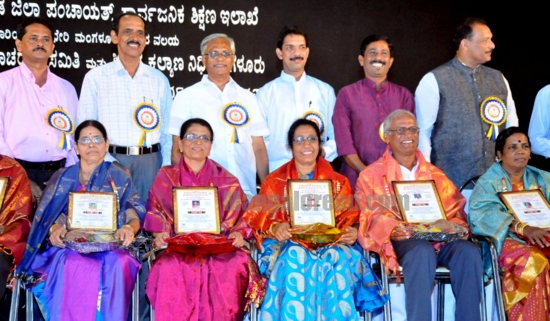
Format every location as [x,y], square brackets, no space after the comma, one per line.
[362,106]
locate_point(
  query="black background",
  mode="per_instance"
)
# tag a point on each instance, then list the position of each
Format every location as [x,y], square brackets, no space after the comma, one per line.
[421,32]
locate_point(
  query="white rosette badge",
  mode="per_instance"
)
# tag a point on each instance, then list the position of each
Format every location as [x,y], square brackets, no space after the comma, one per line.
[235,115]
[317,118]
[58,118]
[147,118]
[493,112]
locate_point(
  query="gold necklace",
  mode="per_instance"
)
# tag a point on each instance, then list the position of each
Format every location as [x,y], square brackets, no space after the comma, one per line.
[82,180]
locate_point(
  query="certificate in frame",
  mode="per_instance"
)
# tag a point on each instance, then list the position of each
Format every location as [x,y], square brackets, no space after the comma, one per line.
[311,201]
[196,209]
[419,201]
[4,183]
[528,206]
[95,211]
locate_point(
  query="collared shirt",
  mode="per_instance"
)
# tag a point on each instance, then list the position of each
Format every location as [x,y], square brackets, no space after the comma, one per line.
[111,96]
[427,106]
[24,131]
[285,99]
[358,113]
[539,126]
[205,100]
[409,175]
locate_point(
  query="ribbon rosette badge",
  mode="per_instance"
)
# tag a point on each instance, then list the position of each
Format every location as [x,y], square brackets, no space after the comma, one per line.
[59,119]
[493,112]
[147,118]
[317,118]
[235,115]
[381,133]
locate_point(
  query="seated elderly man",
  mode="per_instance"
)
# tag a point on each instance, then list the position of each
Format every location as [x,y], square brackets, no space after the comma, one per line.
[383,229]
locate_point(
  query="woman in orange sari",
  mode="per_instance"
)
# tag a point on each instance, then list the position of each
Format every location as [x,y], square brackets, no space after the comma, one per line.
[526,276]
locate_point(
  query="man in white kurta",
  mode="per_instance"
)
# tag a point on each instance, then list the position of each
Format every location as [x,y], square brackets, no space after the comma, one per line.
[231,110]
[295,95]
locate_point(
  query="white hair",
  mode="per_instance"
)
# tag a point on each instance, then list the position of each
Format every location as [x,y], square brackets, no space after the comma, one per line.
[213,36]
[393,114]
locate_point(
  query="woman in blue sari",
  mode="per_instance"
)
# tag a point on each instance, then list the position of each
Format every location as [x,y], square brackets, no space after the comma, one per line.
[305,281]
[69,285]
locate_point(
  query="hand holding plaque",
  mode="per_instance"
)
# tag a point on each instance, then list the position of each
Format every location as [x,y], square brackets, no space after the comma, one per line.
[310,202]
[95,211]
[419,201]
[196,209]
[529,207]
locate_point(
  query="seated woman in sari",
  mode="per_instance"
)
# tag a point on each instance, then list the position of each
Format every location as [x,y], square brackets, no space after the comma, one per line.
[15,209]
[526,275]
[70,285]
[308,282]
[199,286]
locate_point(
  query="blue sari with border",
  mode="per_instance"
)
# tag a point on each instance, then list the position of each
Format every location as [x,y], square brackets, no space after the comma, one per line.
[112,272]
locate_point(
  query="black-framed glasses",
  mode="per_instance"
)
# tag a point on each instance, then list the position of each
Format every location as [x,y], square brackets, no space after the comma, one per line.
[215,54]
[403,130]
[302,139]
[87,140]
[193,137]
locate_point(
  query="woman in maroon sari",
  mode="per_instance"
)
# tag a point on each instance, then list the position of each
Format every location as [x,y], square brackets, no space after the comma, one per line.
[199,286]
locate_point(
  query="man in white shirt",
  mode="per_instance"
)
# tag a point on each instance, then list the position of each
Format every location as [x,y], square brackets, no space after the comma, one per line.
[461,106]
[295,95]
[231,110]
[132,100]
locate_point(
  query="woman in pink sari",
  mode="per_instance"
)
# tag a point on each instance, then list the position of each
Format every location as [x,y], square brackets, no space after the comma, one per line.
[199,286]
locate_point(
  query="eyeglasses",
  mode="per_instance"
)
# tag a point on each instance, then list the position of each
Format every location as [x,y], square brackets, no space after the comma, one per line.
[87,140]
[216,54]
[403,130]
[301,139]
[193,137]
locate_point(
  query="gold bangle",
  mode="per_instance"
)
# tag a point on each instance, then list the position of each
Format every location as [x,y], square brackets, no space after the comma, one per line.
[128,226]
[270,230]
[521,227]
[515,226]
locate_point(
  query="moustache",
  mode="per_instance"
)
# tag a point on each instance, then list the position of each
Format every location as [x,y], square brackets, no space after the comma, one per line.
[378,61]
[39,48]
[296,58]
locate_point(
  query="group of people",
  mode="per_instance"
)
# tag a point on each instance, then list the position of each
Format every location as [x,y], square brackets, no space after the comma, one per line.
[125,135]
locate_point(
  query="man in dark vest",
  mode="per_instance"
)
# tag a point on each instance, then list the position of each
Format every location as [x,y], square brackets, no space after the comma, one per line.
[462,105]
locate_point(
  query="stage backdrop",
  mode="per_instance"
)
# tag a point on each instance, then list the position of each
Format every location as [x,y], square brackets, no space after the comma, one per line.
[421,31]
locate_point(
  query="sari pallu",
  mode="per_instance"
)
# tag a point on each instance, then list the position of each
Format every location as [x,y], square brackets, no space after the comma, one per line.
[16,210]
[525,280]
[67,284]
[307,283]
[200,287]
